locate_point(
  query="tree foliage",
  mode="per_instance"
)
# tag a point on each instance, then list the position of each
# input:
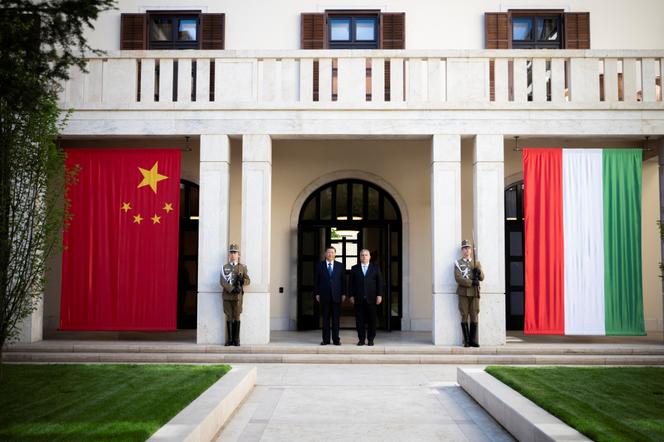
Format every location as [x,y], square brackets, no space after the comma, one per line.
[41,41]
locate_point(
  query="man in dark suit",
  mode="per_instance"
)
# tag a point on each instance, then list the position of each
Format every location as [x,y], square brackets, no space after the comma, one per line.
[330,291]
[365,290]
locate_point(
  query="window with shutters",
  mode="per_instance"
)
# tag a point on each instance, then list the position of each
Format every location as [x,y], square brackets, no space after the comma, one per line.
[172,30]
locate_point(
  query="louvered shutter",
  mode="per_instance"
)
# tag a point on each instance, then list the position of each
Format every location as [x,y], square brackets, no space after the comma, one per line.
[393,30]
[132,31]
[312,31]
[577,30]
[497,30]
[213,31]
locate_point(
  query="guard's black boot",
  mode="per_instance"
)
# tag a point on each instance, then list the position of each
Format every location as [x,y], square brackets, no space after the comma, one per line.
[229,334]
[236,333]
[466,334]
[473,335]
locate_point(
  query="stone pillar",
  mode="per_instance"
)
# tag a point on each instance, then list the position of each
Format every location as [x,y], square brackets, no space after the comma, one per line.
[660,151]
[32,326]
[212,236]
[489,232]
[446,235]
[256,228]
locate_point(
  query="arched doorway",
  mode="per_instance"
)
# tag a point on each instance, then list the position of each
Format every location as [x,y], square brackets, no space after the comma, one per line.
[350,214]
[514,257]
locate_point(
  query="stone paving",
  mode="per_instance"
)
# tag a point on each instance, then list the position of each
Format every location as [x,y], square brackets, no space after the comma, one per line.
[309,402]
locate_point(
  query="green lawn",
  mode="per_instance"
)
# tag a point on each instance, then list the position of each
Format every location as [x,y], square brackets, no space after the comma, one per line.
[96,402]
[604,403]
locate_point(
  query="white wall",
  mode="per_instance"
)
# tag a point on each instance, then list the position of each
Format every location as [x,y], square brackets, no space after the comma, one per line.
[441,24]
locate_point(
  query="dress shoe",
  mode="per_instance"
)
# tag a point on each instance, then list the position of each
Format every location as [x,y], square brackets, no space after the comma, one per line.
[360,342]
[370,343]
[337,343]
[324,343]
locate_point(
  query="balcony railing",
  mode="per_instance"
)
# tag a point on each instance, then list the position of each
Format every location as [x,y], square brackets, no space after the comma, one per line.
[368,79]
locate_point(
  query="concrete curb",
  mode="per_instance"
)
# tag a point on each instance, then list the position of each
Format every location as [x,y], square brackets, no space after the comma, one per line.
[524,419]
[203,418]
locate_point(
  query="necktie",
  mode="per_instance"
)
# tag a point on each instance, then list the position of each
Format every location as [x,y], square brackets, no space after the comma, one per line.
[329,268]
[364,270]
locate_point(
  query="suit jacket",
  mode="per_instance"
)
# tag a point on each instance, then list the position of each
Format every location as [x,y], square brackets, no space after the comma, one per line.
[366,286]
[227,279]
[329,288]
[463,274]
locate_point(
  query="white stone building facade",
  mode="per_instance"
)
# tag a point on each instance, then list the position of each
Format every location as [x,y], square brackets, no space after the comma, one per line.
[433,125]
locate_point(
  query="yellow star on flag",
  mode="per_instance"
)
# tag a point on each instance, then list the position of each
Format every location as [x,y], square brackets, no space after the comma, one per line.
[138,219]
[126,207]
[151,177]
[168,207]
[155,219]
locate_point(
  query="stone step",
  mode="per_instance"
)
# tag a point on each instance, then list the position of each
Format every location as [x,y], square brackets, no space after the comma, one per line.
[331,358]
[350,350]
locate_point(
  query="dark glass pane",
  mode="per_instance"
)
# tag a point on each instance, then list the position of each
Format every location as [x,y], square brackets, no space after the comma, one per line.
[358,198]
[309,212]
[365,29]
[516,243]
[339,29]
[516,303]
[307,303]
[307,273]
[374,208]
[187,29]
[161,29]
[510,203]
[342,201]
[326,204]
[394,244]
[516,273]
[547,29]
[190,242]
[390,213]
[308,242]
[193,201]
[191,270]
[522,28]
[395,273]
[395,303]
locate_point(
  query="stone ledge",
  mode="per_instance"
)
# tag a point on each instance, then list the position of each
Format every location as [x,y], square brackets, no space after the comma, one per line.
[203,418]
[525,420]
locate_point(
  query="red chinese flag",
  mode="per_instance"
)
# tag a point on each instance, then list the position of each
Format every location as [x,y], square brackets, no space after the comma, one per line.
[120,258]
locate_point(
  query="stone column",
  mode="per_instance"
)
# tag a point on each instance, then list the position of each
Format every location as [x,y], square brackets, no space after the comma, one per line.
[256,228]
[489,232]
[660,150]
[32,326]
[212,236]
[446,235]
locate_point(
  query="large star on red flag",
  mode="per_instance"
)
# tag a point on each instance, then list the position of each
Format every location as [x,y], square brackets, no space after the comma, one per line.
[151,177]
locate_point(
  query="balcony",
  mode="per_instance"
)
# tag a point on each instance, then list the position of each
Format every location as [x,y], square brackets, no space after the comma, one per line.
[197,83]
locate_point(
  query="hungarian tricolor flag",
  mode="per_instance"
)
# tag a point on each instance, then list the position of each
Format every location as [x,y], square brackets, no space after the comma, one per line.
[582,210]
[120,257]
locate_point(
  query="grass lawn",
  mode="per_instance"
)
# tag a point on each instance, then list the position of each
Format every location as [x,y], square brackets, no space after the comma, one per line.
[604,403]
[96,402]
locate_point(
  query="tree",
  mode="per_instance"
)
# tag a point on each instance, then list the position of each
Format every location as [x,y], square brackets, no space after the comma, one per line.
[41,41]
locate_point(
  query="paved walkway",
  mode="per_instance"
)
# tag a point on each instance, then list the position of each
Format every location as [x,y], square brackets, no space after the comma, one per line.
[293,402]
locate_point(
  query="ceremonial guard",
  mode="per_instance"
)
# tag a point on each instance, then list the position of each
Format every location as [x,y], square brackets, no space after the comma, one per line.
[468,274]
[233,278]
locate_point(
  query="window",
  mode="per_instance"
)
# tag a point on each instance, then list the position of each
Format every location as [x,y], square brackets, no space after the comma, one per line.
[173,30]
[537,31]
[352,31]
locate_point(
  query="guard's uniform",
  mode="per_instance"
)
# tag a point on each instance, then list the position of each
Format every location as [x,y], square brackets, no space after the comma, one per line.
[469,295]
[233,278]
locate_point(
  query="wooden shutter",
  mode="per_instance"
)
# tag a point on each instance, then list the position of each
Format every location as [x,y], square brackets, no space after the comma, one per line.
[312,31]
[133,31]
[577,30]
[497,29]
[213,31]
[393,30]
